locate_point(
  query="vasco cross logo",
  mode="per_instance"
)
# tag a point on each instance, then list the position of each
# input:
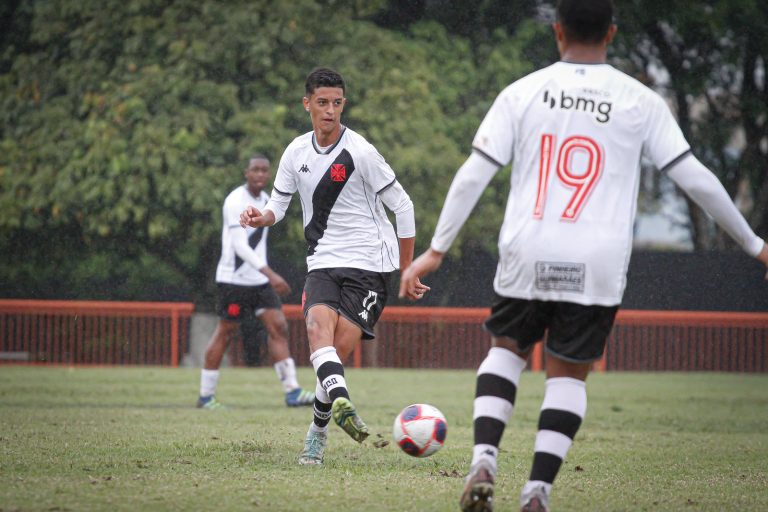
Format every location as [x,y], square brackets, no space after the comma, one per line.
[368,303]
[338,172]
[304,168]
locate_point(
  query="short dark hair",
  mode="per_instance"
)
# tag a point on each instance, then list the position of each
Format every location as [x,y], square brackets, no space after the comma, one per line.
[323,77]
[258,156]
[585,21]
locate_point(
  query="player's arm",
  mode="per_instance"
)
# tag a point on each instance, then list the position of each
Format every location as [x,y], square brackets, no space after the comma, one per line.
[247,254]
[397,200]
[705,189]
[467,187]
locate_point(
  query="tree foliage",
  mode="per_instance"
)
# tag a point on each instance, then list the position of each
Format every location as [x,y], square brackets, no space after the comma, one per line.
[125,123]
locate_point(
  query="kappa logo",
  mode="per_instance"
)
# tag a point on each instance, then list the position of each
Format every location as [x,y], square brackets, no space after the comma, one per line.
[368,303]
[304,168]
[602,109]
[338,172]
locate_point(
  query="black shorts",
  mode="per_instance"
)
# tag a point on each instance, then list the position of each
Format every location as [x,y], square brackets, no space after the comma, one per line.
[358,295]
[576,333]
[235,302]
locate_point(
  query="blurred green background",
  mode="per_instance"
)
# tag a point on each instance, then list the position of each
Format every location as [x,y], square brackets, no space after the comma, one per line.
[124,124]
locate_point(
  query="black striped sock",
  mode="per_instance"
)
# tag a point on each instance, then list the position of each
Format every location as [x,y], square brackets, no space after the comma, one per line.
[322,408]
[495,394]
[330,372]
[563,409]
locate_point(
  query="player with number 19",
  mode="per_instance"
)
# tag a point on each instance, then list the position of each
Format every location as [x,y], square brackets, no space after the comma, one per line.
[575,133]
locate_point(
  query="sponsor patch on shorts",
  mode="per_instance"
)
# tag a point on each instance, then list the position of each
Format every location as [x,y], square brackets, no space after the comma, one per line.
[562,276]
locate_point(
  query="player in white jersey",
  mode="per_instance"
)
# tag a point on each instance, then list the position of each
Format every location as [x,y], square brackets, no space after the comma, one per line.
[344,184]
[247,286]
[576,132]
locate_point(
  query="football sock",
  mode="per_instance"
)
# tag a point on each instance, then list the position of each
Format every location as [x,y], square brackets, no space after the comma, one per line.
[497,380]
[209,379]
[322,409]
[563,409]
[330,372]
[286,372]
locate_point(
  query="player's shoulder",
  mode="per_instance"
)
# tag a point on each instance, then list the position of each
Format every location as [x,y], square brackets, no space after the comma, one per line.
[299,143]
[235,198]
[357,143]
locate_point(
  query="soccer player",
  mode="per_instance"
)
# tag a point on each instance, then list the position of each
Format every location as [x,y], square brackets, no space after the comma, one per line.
[247,286]
[343,183]
[575,132]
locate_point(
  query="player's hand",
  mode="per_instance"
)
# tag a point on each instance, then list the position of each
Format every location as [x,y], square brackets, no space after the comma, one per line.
[276,281]
[763,257]
[280,285]
[251,216]
[410,285]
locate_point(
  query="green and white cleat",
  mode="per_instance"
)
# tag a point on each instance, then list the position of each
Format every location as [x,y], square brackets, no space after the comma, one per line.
[314,448]
[345,416]
[209,402]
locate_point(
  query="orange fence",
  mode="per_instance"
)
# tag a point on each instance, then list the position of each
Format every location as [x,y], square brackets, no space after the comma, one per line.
[93,332]
[82,332]
[413,337]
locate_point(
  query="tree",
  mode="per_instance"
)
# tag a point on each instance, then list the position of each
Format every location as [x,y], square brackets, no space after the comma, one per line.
[709,58]
[124,124]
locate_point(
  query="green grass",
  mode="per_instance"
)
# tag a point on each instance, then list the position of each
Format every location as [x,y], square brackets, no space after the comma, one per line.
[130,439]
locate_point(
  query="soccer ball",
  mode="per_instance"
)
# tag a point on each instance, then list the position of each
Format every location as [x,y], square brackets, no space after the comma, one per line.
[420,430]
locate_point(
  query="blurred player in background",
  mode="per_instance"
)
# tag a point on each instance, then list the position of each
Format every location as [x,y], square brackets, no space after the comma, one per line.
[246,287]
[575,132]
[343,183]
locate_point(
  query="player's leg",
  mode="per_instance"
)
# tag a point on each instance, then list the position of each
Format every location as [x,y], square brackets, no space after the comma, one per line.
[516,326]
[320,301]
[214,353]
[285,367]
[363,297]
[576,338]
[346,337]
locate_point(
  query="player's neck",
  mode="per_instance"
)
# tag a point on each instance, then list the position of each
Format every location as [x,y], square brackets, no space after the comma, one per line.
[254,191]
[325,139]
[584,54]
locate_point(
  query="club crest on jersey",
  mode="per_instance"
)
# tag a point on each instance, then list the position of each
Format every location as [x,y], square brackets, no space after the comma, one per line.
[304,168]
[368,303]
[338,172]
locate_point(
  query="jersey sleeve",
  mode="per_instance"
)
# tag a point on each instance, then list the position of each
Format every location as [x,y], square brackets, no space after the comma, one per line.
[285,182]
[376,171]
[664,142]
[496,135]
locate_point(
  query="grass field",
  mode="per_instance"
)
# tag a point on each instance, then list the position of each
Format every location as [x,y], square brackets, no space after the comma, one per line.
[130,439]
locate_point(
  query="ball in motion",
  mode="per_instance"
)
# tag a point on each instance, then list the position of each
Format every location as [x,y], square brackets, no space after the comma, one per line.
[420,430]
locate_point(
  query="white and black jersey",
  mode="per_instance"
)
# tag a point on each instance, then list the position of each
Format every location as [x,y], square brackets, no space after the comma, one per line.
[232,268]
[340,187]
[575,134]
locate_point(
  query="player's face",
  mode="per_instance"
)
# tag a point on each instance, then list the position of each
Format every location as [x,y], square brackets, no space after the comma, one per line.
[325,106]
[257,174]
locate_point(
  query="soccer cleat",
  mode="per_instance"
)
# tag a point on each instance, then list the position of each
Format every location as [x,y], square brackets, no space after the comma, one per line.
[314,448]
[345,416]
[478,492]
[298,397]
[209,402]
[535,500]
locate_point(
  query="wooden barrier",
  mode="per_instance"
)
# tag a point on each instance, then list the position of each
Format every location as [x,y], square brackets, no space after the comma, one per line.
[86,332]
[93,332]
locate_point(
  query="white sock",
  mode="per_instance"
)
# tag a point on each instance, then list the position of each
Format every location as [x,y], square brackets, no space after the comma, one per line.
[209,379]
[286,372]
[315,428]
